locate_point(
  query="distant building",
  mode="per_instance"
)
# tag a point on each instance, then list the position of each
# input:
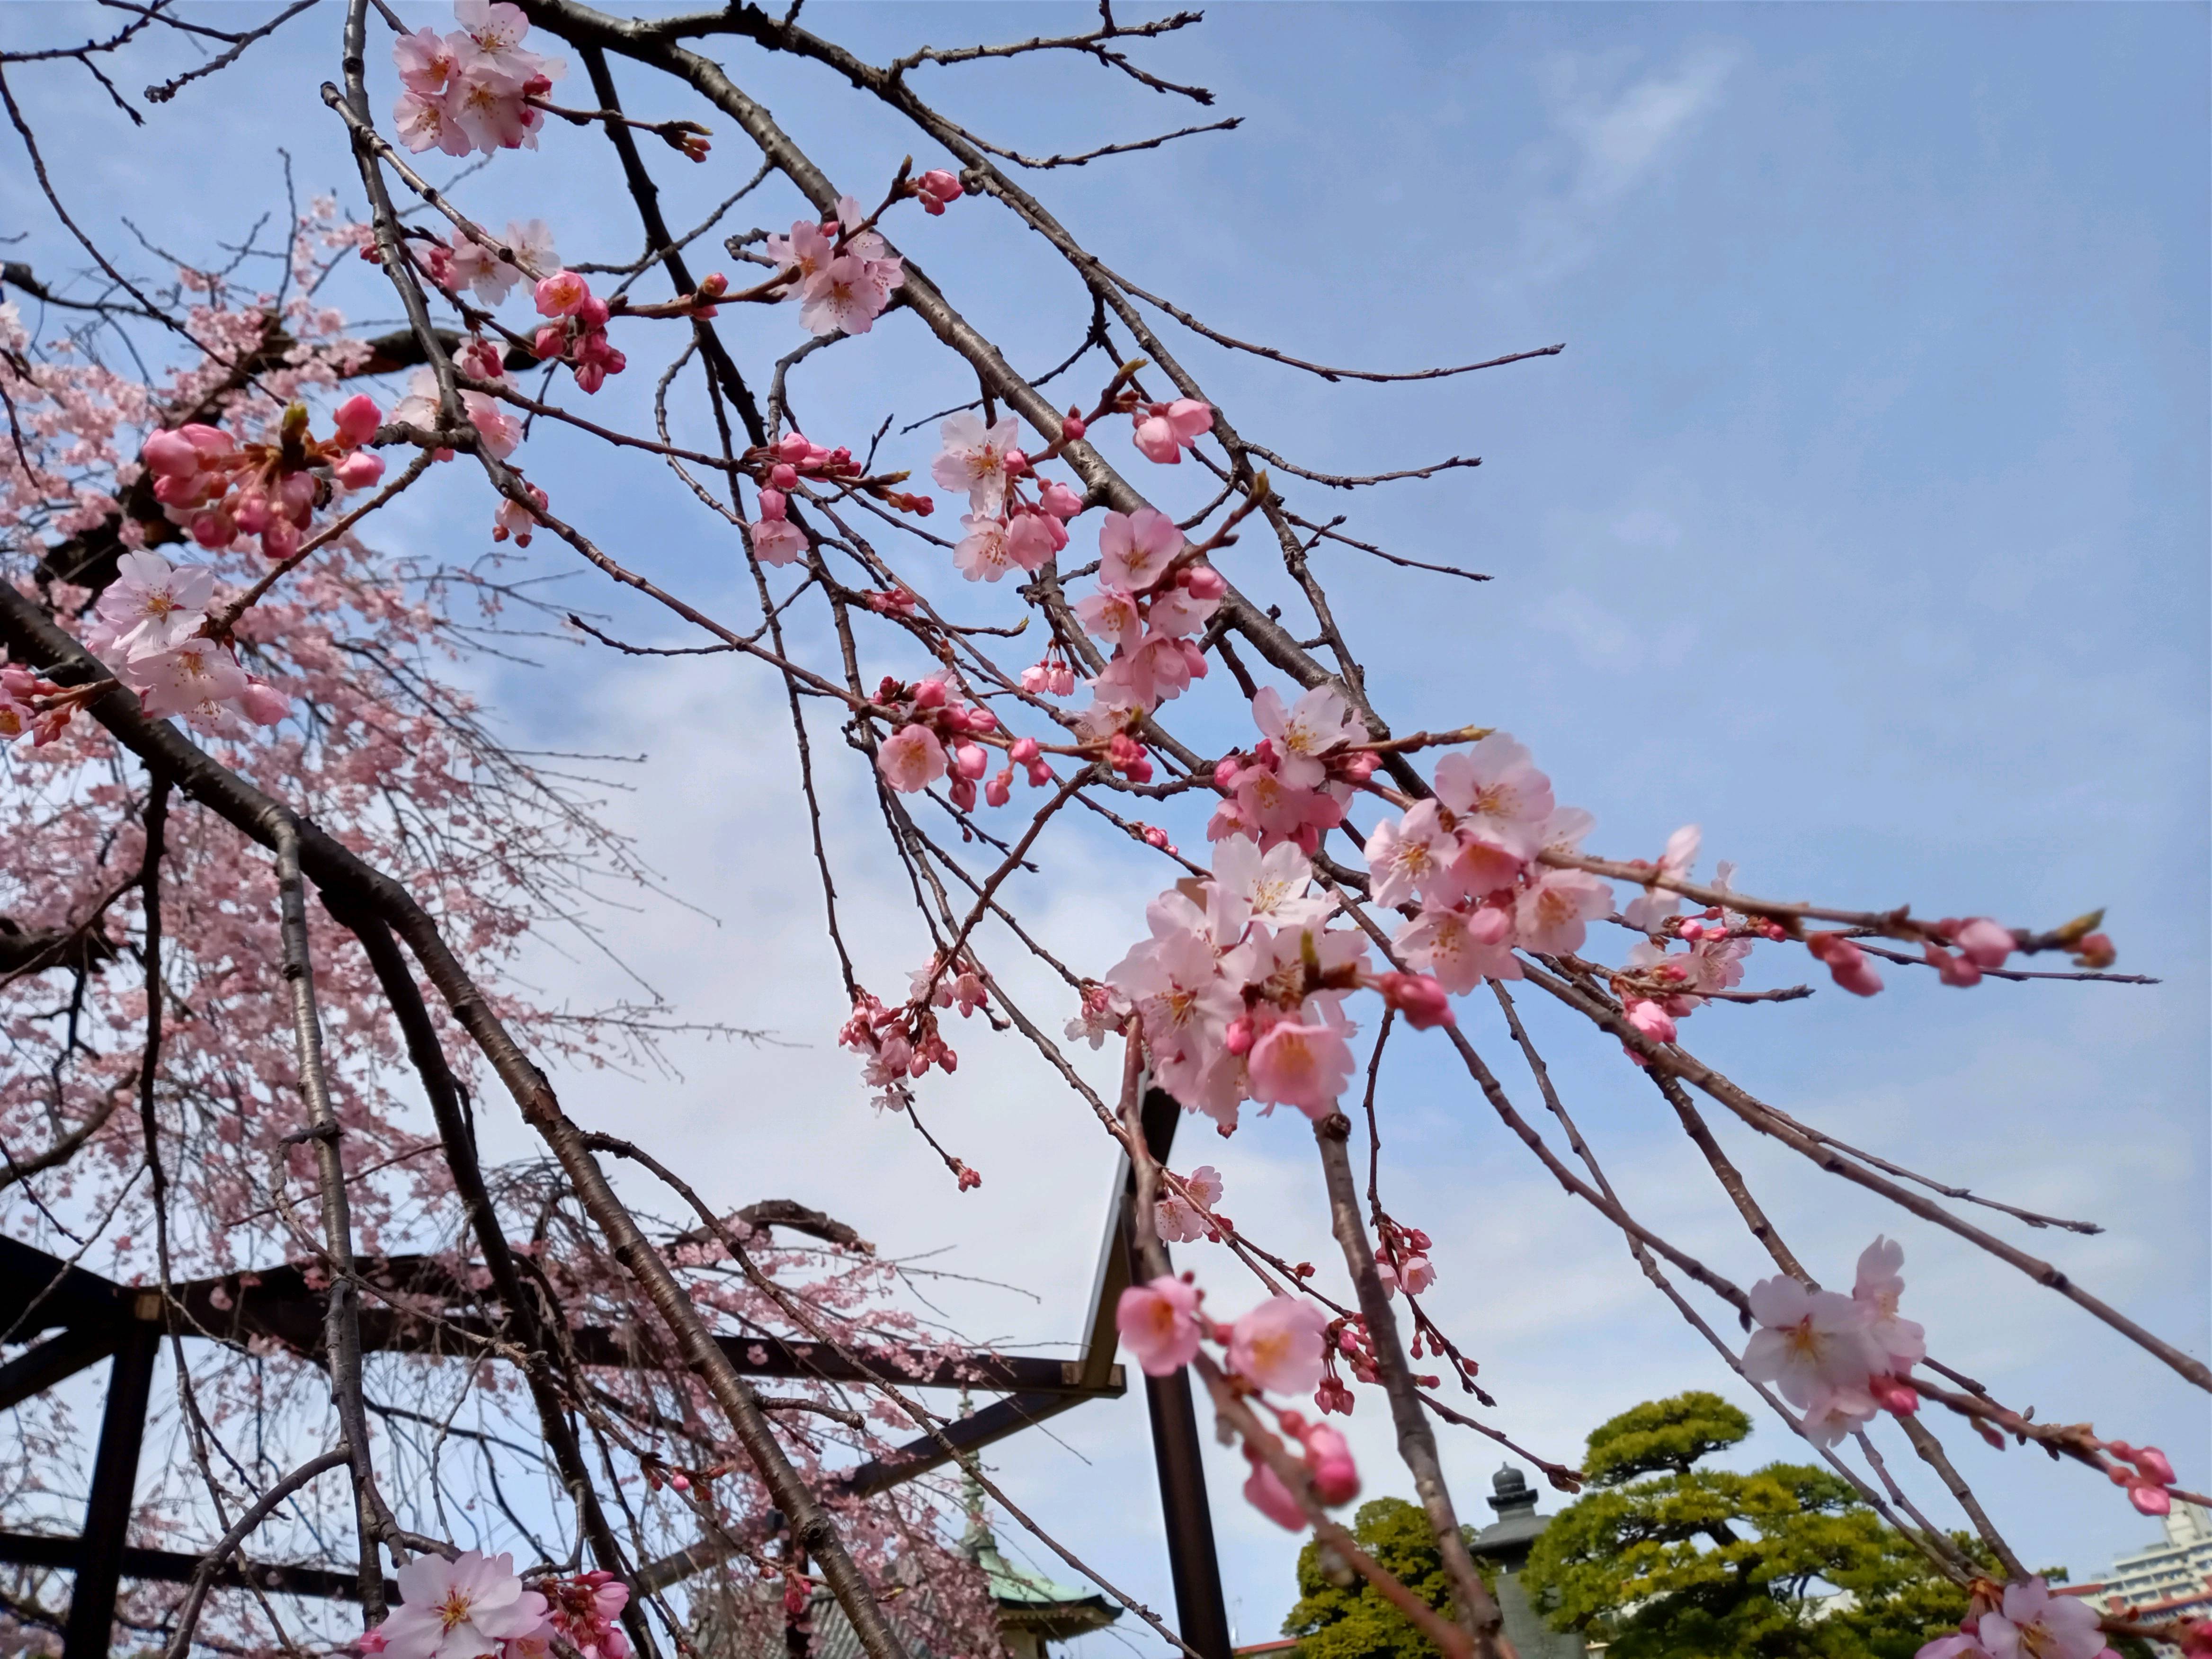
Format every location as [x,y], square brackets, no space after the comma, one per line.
[1505,1546]
[2171,1580]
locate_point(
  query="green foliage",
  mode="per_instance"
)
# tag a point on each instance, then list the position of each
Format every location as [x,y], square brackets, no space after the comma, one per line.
[1337,1622]
[1662,1435]
[1669,1561]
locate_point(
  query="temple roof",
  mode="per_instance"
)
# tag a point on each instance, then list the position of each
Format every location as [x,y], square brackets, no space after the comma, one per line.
[1030,1600]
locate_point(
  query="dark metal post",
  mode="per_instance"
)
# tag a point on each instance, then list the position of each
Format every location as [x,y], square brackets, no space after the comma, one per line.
[114,1481]
[1200,1613]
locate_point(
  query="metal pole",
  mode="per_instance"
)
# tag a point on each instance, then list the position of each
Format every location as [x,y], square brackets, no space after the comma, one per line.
[1200,1613]
[114,1481]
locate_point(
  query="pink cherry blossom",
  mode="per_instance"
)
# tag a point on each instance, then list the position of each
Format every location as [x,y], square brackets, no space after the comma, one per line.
[973,459]
[460,1610]
[1272,887]
[1134,548]
[1655,905]
[1496,791]
[562,295]
[150,607]
[1112,613]
[1880,1283]
[911,758]
[848,293]
[1550,916]
[2033,1624]
[1277,1344]
[1958,1645]
[1406,855]
[1033,538]
[1176,1219]
[187,677]
[1159,1323]
[1165,430]
[1811,1342]
[1460,948]
[1304,1065]
[1319,721]
[982,555]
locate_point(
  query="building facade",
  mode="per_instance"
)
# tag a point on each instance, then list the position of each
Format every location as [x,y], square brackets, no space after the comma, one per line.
[2170,1580]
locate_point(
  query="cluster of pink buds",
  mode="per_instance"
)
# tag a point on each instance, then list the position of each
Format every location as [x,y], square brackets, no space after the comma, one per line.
[897,1044]
[942,987]
[217,489]
[35,706]
[1981,945]
[2147,1481]
[1051,677]
[1330,1472]
[587,1610]
[1402,1259]
[935,190]
[577,335]
[1847,964]
[1163,431]
[937,733]
[779,466]
[1349,1342]
[1293,785]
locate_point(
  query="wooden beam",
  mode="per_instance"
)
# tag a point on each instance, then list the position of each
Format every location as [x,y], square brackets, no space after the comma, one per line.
[114,1481]
[38,1368]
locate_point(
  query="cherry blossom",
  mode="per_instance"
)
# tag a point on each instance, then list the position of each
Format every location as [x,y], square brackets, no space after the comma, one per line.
[1650,909]
[1304,1066]
[1277,1344]
[1461,948]
[1496,791]
[1317,722]
[911,758]
[2033,1624]
[1408,855]
[982,554]
[150,607]
[1811,1343]
[460,1610]
[1880,1284]
[1550,915]
[1159,1323]
[973,459]
[1329,1456]
[1176,1219]
[1134,548]
[586,1610]
[491,278]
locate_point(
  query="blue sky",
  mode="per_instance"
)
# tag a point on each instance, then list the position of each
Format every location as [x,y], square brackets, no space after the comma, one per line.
[1863,521]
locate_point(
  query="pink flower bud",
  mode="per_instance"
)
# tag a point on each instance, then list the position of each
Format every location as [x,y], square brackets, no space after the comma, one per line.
[2095,951]
[930,694]
[981,720]
[1203,582]
[359,469]
[1951,971]
[171,455]
[1983,943]
[784,476]
[263,704]
[713,285]
[962,791]
[1024,750]
[1490,925]
[1421,999]
[1360,767]
[249,510]
[1015,462]
[1225,773]
[942,186]
[2153,1464]
[357,418]
[280,540]
[772,503]
[1001,788]
[1335,1476]
[593,313]
[973,760]
[794,447]
[1237,1039]
[214,529]
[1894,1394]
[1652,1020]
[1072,427]
[1057,499]
[550,341]
[2151,1500]
[1155,836]
[1138,771]
[1040,773]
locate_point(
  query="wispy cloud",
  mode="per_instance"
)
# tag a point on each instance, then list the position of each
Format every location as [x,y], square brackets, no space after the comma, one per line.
[1613,132]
